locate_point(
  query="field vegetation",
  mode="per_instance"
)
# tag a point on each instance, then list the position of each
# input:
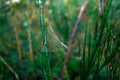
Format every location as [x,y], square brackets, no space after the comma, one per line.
[59,39]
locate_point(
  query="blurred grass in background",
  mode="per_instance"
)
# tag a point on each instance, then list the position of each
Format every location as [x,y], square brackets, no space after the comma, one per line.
[34,35]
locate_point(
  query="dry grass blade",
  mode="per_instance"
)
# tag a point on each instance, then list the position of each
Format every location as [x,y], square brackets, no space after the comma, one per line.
[71,39]
[30,45]
[9,67]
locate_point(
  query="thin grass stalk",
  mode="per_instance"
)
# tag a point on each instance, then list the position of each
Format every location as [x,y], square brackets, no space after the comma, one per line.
[89,46]
[43,65]
[112,53]
[47,58]
[98,59]
[100,35]
[30,45]
[15,25]
[109,58]
[84,56]
[7,43]
[29,34]
[9,67]
[71,40]
[47,69]
[18,41]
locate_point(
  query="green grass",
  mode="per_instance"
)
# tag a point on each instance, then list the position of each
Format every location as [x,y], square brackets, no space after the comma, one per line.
[34,38]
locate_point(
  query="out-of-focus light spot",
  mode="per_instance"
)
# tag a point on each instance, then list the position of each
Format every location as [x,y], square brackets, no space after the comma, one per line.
[15,1]
[65,1]
[25,24]
[12,1]
[47,2]
[50,11]
[39,2]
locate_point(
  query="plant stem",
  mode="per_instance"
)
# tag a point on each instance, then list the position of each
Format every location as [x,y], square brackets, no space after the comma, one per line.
[71,39]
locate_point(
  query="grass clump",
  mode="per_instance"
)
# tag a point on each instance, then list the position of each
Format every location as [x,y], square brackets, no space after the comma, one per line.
[59,40]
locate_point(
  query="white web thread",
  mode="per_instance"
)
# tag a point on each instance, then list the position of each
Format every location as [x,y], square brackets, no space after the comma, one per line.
[51,31]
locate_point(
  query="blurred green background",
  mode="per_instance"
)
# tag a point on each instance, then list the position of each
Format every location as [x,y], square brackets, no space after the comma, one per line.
[21,39]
